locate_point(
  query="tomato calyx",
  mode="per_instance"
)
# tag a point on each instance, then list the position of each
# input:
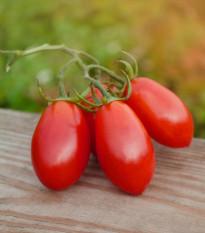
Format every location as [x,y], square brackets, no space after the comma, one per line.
[108,95]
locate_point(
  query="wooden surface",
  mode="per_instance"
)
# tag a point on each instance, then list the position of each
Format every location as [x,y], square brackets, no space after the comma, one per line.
[174,201]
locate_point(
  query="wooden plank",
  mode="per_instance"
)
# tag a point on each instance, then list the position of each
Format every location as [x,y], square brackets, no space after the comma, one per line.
[174,201]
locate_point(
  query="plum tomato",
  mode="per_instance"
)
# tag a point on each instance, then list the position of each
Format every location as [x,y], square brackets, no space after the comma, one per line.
[162,112]
[124,148]
[60,145]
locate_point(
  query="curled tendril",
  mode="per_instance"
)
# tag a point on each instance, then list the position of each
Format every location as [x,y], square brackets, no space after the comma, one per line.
[129,87]
[135,65]
[128,67]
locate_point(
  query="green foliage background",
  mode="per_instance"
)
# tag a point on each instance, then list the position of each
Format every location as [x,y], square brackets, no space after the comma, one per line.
[167,37]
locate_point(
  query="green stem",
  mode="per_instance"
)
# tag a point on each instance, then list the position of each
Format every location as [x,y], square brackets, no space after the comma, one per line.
[72,52]
[98,72]
[98,85]
[75,54]
[60,77]
[61,87]
[111,73]
[46,47]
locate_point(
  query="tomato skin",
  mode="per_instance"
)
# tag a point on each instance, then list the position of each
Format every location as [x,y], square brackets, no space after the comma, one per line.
[163,113]
[124,148]
[60,145]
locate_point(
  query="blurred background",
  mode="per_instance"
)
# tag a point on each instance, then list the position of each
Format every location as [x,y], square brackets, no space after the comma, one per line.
[167,37]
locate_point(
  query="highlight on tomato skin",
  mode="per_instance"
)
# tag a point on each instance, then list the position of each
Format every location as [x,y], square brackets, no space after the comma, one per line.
[60,146]
[124,148]
[163,113]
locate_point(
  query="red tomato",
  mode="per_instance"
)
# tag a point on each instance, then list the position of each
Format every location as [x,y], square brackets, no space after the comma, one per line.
[60,146]
[164,114]
[124,148]
[92,116]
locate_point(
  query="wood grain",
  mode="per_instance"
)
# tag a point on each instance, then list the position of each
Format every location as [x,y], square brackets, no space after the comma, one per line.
[174,201]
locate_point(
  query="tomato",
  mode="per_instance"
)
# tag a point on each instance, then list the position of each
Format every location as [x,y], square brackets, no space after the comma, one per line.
[92,116]
[124,148]
[164,114]
[60,146]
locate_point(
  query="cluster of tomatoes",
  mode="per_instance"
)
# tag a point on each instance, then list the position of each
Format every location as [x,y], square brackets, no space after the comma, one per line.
[119,134]
[115,127]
